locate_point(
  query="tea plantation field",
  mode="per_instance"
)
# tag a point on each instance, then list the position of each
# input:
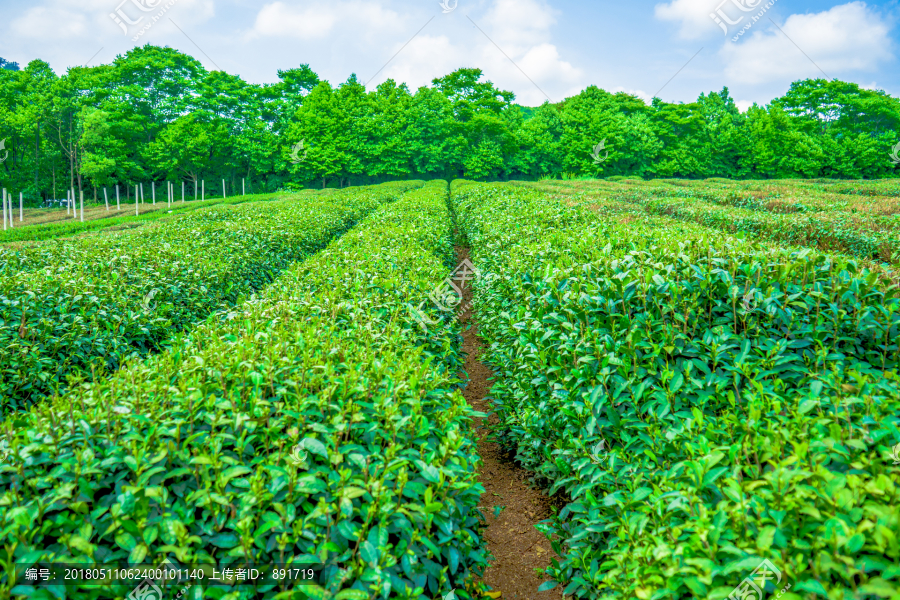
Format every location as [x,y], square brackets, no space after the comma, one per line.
[703,374]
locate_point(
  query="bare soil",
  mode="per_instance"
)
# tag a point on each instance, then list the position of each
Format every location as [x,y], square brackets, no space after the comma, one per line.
[519,550]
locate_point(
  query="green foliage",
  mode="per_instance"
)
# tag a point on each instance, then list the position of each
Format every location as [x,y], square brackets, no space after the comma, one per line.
[703,401]
[188,454]
[124,218]
[784,211]
[155,113]
[82,307]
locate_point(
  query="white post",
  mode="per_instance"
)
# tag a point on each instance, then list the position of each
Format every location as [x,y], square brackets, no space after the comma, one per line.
[118,205]
[182,191]
[135,200]
[223,189]
[9,198]
[142,192]
[243,187]
[153,185]
[82,206]
[203,190]
[4,209]
[68,201]
[21,207]
[105,197]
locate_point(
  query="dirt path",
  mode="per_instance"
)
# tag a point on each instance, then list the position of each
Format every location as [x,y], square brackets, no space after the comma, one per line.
[518,548]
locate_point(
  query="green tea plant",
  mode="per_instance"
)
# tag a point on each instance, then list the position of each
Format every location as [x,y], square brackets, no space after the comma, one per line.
[784,211]
[704,402]
[316,423]
[79,308]
[124,218]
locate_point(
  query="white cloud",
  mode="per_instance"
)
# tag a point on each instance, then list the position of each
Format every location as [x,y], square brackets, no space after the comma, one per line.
[849,37]
[693,16]
[515,51]
[318,20]
[743,105]
[93,19]
[518,24]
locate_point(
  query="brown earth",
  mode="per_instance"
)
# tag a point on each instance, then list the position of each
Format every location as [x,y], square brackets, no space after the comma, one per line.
[519,550]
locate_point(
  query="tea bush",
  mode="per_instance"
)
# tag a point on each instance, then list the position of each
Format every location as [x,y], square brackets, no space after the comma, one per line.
[188,454]
[703,402]
[117,218]
[80,307]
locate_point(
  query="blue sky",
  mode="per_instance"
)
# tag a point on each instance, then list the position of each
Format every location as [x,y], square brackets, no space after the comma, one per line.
[537,48]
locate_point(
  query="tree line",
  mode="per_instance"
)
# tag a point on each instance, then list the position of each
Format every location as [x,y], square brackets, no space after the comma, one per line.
[156,114]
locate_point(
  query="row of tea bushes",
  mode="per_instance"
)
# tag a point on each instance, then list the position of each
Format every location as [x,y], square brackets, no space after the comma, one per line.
[78,308]
[869,237]
[815,221]
[125,218]
[703,402]
[317,423]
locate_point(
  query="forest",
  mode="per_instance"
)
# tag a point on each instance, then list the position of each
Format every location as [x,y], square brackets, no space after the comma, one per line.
[157,114]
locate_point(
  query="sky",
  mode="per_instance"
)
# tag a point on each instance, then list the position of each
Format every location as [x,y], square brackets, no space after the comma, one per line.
[539,49]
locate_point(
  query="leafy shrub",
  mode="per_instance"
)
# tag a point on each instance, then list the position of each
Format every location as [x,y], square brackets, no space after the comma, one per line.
[327,363]
[80,307]
[705,402]
[124,218]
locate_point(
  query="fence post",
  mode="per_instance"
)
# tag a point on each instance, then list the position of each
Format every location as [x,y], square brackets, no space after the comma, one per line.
[82,205]
[142,192]
[4,209]
[223,189]
[153,191]
[105,197]
[136,200]
[202,190]
[118,206]
[243,187]
[182,191]
[21,207]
